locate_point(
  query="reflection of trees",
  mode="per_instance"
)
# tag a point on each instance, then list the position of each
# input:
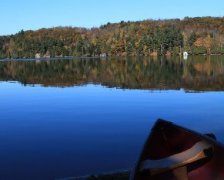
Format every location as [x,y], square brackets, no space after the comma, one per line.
[204,73]
[142,73]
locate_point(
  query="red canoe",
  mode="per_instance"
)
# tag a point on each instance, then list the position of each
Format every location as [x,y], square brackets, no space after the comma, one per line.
[173,152]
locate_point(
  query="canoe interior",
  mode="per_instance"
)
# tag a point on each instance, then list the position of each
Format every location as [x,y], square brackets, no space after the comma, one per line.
[174,152]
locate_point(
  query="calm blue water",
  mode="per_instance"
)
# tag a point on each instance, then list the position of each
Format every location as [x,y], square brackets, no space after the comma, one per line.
[50,133]
[67,121]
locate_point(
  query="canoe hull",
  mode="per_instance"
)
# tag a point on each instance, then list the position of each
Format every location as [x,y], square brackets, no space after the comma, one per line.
[174,152]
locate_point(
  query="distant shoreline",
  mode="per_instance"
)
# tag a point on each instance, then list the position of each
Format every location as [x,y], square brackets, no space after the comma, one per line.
[96,57]
[45,59]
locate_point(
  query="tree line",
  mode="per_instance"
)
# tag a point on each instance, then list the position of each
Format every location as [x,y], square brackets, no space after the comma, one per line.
[200,35]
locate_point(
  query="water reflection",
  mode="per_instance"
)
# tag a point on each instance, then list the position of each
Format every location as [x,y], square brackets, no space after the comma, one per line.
[196,74]
[50,133]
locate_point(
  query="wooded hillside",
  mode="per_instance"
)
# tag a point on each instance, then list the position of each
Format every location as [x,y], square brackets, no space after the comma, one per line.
[200,35]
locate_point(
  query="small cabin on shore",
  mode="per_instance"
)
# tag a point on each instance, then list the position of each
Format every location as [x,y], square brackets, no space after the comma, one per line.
[103,55]
[185,54]
[37,56]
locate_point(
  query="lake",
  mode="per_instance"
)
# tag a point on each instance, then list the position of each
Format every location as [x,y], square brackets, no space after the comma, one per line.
[66,118]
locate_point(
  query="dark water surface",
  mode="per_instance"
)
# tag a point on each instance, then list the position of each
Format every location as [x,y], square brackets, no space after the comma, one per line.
[65,118]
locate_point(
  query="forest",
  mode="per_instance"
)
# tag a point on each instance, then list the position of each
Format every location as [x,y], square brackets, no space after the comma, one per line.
[170,37]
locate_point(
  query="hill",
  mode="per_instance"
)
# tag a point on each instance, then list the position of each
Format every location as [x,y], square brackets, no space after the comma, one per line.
[199,35]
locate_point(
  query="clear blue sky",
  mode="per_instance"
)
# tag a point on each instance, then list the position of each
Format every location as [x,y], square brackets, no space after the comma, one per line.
[34,14]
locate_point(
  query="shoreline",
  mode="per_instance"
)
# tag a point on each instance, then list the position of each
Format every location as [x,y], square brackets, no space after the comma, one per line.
[46,59]
[97,57]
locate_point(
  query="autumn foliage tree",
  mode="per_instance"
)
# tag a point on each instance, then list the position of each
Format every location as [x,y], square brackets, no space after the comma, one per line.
[203,35]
